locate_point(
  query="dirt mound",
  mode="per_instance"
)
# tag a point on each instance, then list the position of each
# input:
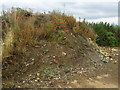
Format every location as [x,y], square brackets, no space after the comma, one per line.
[49,56]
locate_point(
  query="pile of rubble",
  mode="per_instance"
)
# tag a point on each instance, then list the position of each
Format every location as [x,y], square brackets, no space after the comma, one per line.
[109,54]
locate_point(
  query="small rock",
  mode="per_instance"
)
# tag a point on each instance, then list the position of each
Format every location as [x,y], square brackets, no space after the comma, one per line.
[111,59]
[114,50]
[48,56]
[107,58]
[67,82]
[38,74]
[54,56]
[115,62]
[75,71]
[81,68]
[78,68]
[75,81]
[63,53]
[33,59]
[101,56]
[18,86]
[36,80]
[56,62]
[37,46]
[30,75]
[27,64]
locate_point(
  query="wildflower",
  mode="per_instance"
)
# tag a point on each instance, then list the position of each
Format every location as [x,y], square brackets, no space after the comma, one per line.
[22,43]
[55,18]
[20,18]
[62,22]
[27,18]
[30,41]
[60,19]
[64,31]
[64,28]
[20,47]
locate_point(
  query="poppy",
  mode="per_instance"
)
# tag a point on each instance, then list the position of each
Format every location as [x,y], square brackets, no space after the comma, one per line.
[64,28]
[64,31]
[55,18]
[20,18]
[22,43]
[27,17]
[62,22]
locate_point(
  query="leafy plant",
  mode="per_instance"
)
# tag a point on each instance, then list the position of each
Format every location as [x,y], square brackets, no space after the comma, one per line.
[79,49]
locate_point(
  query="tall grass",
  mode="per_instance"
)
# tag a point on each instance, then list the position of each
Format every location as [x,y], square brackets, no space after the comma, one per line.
[22,28]
[85,30]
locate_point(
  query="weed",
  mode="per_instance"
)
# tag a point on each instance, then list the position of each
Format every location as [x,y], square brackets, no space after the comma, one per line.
[66,70]
[47,74]
[104,60]
[71,45]
[80,49]
[45,51]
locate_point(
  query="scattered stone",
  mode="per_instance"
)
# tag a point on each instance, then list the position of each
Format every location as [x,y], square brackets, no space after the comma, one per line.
[107,58]
[75,81]
[115,62]
[111,59]
[36,80]
[48,56]
[54,56]
[27,65]
[37,46]
[55,61]
[38,74]
[18,86]
[63,53]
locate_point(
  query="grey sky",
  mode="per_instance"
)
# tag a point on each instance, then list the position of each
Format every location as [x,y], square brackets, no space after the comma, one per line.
[92,10]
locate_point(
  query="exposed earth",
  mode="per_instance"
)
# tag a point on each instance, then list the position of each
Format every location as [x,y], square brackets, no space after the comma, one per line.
[73,65]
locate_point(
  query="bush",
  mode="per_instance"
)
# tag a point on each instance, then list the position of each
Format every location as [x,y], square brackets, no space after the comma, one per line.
[108,35]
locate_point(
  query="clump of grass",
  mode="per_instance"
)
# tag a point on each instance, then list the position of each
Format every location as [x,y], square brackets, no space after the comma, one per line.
[70,21]
[84,30]
[80,49]
[21,28]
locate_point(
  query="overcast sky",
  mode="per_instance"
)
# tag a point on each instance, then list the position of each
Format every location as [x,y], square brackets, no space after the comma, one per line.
[92,10]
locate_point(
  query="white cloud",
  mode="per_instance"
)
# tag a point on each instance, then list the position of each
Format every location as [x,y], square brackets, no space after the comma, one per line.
[111,20]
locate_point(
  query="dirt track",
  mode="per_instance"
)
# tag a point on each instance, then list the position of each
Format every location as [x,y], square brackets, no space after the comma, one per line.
[106,77]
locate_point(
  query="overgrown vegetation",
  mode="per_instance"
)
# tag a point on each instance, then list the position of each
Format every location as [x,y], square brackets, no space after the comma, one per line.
[22,28]
[107,35]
